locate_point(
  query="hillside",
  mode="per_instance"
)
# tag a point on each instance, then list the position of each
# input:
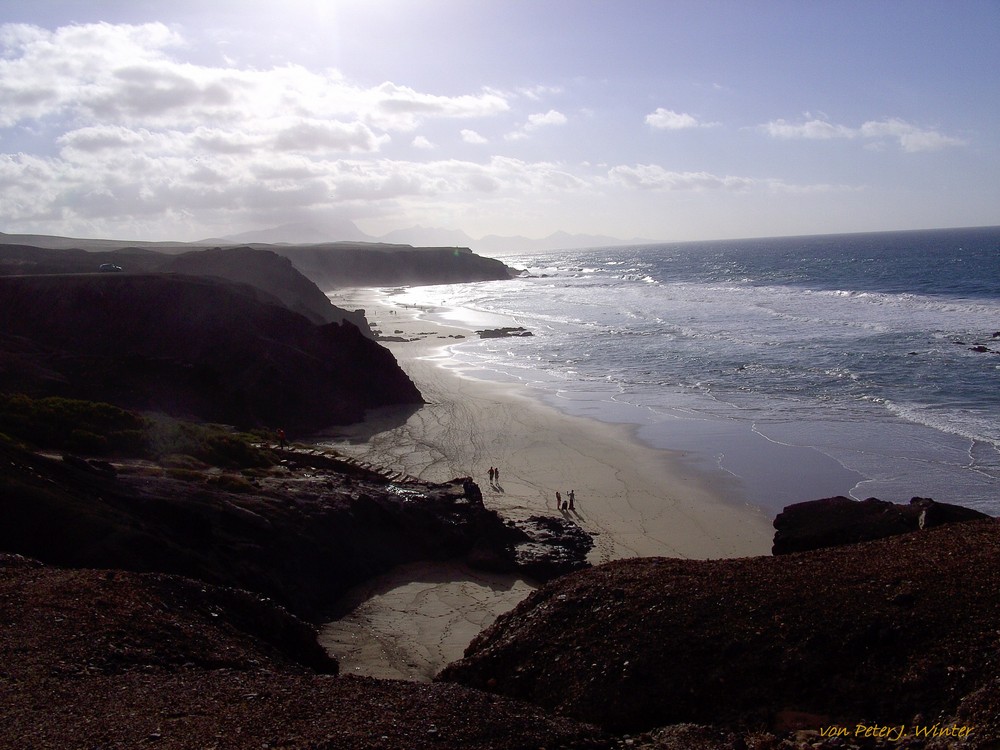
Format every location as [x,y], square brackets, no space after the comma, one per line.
[198,347]
[344,264]
[896,632]
[109,659]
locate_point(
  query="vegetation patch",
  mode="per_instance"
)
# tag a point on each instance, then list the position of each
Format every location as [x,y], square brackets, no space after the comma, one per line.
[99,429]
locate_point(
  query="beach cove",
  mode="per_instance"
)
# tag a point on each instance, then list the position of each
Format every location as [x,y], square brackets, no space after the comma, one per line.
[636,501]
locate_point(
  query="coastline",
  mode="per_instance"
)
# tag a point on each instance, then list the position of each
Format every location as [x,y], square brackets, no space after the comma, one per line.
[636,501]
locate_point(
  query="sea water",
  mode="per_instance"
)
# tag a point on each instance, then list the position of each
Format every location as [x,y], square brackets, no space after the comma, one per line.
[798,367]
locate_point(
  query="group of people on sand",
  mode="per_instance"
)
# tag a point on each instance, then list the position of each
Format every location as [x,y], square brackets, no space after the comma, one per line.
[569,503]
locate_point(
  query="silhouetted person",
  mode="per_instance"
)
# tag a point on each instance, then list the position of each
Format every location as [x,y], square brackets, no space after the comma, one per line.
[281,437]
[572,498]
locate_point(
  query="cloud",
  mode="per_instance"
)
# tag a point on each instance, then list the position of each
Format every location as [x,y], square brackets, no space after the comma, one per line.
[471,136]
[811,130]
[144,138]
[319,135]
[666,119]
[541,120]
[536,122]
[128,75]
[654,177]
[910,138]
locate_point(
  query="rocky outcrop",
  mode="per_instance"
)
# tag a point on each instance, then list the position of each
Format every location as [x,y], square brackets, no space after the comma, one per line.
[190,346]
[899,631]
[302,533]
[101,658]
[358,264]
[835,521]
[503,333]
[270,272]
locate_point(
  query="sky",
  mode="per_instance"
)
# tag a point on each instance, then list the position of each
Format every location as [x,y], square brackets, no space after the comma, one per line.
[665,120]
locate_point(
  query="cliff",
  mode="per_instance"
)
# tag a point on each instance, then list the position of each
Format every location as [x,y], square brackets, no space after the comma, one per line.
[270,272]
[199,347]
[113,659]
[900,631]
[356,264]
[301,532]
[836,521]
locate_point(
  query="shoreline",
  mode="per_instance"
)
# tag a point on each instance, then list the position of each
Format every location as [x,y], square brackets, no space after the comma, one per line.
[645,501]
[635,500]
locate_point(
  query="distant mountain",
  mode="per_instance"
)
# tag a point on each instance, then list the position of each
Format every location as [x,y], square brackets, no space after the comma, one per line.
[298,234]
[494,243]
[419,236]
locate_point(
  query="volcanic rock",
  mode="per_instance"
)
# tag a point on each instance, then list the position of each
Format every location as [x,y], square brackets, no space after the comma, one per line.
[896,631]
[840,520]
[112,659]
[188,346]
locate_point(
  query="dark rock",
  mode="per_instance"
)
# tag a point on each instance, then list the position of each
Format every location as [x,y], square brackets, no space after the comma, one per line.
[270,272]
[115,659]
[893,629]
[187,346]
[553,546]
[979,348]
[836,521]
[302,537]
[341,264]
[498,333]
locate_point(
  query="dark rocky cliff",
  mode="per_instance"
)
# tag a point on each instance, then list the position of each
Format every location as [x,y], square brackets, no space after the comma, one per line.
[189,346]
[834,521]
[345,264]
[269,271]
[900,631]
[109,659]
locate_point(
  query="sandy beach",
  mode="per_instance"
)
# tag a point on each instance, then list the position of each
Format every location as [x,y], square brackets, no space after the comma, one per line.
[634,500]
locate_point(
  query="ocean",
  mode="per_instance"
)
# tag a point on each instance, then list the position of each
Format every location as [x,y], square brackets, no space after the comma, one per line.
[793,368]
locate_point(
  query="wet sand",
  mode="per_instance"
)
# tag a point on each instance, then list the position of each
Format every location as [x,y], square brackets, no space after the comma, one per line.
[635,500]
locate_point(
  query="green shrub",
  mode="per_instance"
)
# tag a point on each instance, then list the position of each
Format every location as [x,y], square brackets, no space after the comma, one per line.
[103,430]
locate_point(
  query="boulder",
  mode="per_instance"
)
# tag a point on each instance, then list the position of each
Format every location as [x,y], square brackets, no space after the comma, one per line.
[836,521]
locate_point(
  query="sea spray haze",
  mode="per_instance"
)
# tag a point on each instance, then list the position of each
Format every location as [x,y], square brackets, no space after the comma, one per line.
[861,364]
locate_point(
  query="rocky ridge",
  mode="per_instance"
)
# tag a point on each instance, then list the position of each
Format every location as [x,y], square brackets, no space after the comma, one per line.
[899,631]
[190,346]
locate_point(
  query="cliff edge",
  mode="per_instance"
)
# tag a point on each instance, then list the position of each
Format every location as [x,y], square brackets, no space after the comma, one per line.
[190,346]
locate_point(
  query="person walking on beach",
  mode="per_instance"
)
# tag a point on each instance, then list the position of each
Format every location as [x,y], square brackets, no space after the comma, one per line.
[492,473]
[572,498]
[281,437]
[558,501]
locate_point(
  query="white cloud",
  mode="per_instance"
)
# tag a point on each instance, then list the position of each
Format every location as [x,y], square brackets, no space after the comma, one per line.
[910,138]
[812,130]
[666,119]
[319,135]
[541,120]
[134,141]
[535,122]
[471,136]
[655,177]
[537,93]
[126,75]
